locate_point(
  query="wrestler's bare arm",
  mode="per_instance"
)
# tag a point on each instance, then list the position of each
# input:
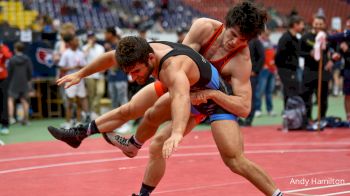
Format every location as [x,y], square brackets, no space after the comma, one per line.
[240,70]
[179,87]
[175,78]
[199,33]
[102,63]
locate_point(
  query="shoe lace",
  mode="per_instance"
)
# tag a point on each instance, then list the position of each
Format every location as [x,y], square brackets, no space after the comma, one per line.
[122,140]
[79,132]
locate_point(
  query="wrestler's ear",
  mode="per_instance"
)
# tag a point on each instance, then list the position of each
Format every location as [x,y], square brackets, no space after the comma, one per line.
[151,56]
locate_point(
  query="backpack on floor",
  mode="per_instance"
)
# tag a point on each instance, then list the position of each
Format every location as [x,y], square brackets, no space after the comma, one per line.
[294,115]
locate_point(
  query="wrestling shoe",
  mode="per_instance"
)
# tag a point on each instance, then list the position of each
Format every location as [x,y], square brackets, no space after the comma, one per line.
[129,149]
[72,136]
[139,195]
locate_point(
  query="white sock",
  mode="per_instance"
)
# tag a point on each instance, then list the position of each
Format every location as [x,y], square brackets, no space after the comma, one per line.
[277,193]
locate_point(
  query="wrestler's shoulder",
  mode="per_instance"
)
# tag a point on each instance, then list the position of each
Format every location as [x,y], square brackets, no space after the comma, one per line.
[207,24]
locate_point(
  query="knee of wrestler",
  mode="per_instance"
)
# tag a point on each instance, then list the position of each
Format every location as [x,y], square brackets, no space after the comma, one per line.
[128,112]
[156,146]
[235,163]
[151,119]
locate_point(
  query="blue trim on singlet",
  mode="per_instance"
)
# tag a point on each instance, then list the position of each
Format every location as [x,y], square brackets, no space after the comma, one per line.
[215,84]
[216,117]
[215,79]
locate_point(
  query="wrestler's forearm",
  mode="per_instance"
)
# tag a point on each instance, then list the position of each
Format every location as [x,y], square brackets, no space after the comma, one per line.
[180,112]
[102,63]
[236,105]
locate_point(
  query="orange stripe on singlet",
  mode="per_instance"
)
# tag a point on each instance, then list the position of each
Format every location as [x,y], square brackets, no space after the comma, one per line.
[212,39]
[160,88]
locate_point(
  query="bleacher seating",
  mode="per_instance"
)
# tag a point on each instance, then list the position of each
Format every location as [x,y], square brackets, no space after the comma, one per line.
[85,15]
[306,9]
[13,12]
[334,8]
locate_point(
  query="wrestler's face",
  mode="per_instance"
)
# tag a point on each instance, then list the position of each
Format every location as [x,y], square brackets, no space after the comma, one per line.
[233,38]
[140,72]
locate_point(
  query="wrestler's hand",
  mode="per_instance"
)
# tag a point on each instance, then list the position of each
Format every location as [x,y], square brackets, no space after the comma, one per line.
[200,97]
[69,80]
[171,144]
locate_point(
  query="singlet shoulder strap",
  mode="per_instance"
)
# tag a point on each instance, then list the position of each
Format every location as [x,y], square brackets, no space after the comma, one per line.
[220,63]
[212,39]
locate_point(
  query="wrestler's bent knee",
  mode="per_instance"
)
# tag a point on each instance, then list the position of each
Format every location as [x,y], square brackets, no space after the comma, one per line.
[235,163]
[156,146]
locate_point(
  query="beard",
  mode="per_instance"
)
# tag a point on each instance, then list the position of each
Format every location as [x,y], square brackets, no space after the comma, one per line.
[143,80]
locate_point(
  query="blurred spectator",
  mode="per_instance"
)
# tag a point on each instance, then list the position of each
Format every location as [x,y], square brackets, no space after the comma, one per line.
[181,33]
[266,79]
[164,4]
[5,54]
[67,30]
[142,31]
[96,4]
[337,64]
[47,26]
[345,52]
[20,73]
[112,38]
[310,74]
[37,25]
[71,61]
[115,75]
[157,26]
[95,83]
[286,58]
[137,4]
[257,56]
[117,79]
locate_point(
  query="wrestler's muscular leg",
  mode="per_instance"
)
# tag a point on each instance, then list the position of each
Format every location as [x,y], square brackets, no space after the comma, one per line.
[154,116]
[155,168]
[135,108]
[229,141]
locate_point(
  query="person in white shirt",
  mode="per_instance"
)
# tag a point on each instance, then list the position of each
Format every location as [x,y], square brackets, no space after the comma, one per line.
[95,83]
[71,61]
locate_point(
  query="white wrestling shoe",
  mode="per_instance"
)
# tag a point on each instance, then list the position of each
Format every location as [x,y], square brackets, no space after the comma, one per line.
[129,149]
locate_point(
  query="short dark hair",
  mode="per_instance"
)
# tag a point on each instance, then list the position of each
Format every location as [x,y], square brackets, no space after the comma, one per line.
[249,18]
[19,46]
[132,50]
[68,37]
[295,19]
[320,17]
[111,30]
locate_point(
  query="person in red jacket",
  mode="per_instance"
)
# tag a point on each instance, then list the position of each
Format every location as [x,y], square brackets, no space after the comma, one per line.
[5,54]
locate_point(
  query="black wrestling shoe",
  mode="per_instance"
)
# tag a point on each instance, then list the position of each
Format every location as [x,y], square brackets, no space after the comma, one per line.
[139,195]
[72,136]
